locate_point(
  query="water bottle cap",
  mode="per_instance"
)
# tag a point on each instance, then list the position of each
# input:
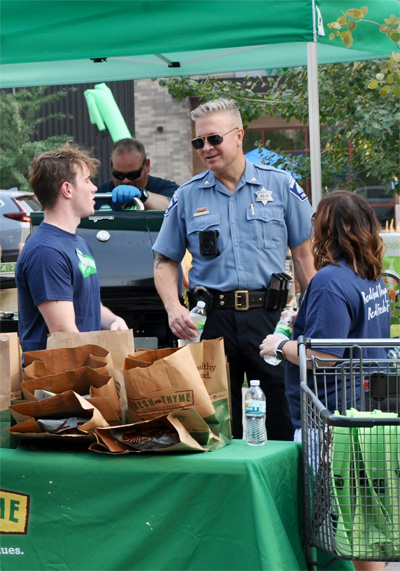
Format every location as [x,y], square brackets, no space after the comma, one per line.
[201,304]
[254,383]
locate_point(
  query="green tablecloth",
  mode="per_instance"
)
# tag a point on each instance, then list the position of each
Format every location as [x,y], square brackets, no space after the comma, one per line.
[237,508]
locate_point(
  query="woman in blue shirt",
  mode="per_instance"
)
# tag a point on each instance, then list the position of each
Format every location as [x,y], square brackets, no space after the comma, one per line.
[346,299]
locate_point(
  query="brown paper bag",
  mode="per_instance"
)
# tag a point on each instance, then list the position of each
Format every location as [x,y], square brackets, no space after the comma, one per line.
[146,357]
[212,364]
[106,400]
[53,361]
[160,381]
[167,384]
[179,431]
[84,381]
[80,380]
[63,406]
[118,343]
[10,369]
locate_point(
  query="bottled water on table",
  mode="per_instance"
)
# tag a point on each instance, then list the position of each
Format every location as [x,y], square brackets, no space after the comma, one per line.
[283,329]
[199,316]
[255,412]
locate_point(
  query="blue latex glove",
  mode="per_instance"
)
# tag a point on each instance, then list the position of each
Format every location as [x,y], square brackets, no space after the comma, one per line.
[124,193]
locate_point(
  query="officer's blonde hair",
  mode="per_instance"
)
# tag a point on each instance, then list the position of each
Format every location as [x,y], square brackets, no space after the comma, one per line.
[220,105]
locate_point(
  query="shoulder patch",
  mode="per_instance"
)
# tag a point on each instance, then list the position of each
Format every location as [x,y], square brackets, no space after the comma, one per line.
[173,203]
[296,190]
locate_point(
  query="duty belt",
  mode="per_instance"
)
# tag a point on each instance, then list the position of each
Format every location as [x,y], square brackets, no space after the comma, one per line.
[275,297]
[241,300]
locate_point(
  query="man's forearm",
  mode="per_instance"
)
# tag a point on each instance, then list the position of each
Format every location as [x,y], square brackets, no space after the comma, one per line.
[156,202]
[166,279]
[111,321]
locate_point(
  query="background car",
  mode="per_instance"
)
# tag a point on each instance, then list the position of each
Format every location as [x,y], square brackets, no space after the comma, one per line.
[15,209]
[122,245]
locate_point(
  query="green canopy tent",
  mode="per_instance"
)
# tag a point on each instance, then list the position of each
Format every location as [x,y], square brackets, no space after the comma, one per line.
[66,41]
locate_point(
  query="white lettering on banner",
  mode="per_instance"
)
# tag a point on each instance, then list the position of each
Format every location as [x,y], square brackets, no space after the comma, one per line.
[11,551]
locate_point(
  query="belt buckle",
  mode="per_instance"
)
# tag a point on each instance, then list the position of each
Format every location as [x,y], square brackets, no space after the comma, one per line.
[238,302]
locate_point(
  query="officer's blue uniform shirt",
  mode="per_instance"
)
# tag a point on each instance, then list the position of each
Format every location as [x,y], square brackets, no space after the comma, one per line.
[267,212]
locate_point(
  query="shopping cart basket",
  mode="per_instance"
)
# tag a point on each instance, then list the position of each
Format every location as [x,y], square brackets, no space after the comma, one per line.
[351,451]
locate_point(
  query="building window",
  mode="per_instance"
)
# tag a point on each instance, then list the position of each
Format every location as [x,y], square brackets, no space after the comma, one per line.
[290,139]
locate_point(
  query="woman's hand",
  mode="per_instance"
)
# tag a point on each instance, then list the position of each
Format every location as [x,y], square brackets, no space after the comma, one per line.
[267,347]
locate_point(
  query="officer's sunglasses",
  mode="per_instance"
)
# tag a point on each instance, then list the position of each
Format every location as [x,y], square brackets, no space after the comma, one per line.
[214,140]
[133,175]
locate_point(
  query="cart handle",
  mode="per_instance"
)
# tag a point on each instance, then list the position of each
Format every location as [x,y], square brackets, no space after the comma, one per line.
[390,342]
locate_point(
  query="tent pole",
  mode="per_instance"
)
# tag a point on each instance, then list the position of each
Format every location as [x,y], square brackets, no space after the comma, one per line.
[313,123]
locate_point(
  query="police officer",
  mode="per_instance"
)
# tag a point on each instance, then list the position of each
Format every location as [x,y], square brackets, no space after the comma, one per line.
[130,170]
[237,220]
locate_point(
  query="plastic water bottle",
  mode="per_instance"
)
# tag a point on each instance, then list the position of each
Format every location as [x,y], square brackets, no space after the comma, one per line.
[255,407]
[283,329]
[199,316]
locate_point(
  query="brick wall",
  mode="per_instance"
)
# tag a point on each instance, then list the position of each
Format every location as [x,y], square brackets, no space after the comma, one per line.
[163,125]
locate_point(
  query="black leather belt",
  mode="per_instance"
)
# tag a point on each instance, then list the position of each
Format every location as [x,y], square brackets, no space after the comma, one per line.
[272,298]
[241,300]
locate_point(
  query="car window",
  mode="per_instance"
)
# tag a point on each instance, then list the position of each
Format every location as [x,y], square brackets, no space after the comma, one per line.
[30,204]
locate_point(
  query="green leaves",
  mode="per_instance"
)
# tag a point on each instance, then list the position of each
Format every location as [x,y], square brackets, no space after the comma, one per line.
[350,114]
[389,80]
[19,120]
[250,92]
[354,13]
[373,84]
[347,39]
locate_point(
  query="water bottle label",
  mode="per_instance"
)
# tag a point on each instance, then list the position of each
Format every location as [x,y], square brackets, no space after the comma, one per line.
[255,407]
[283,330]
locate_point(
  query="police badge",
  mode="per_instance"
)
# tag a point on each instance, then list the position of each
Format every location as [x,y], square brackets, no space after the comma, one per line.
[264,196]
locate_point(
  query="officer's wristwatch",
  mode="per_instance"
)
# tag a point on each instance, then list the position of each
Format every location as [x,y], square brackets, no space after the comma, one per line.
[279,350]
[144,195]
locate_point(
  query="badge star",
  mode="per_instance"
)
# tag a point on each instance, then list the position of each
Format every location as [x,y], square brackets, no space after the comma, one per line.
[264,196]
[206,182]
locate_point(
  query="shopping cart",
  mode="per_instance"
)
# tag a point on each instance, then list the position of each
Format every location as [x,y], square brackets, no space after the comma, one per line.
[351,451]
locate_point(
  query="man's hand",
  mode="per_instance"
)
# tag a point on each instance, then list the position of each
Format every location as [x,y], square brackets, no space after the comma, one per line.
[118,325]
[111,321]
[124,193]
[181,323]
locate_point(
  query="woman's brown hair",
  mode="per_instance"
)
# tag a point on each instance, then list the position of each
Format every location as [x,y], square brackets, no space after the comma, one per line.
[346,228]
